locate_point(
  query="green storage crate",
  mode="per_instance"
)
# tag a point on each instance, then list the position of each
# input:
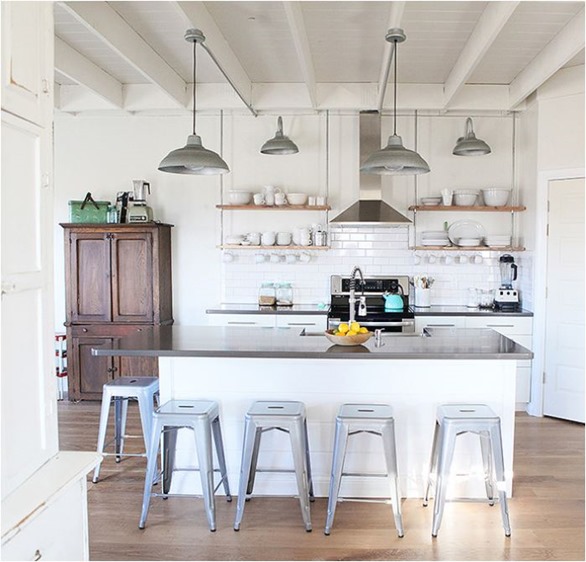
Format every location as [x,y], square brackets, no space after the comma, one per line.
[88,210]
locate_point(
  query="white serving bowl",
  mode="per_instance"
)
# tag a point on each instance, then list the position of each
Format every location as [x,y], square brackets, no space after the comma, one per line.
[495,197]
[431,201]
[465,197]
[297,198]
[239,197]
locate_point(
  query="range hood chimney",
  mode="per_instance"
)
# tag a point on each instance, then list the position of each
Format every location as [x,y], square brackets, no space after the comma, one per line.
[370,208]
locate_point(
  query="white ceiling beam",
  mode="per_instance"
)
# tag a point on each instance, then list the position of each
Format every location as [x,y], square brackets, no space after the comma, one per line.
[301,42]
[563,47]
[197,16]
[78,68]
[105,23]
[395,17]
[490,24]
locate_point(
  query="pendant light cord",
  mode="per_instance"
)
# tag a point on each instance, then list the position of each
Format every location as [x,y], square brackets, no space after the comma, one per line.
[395,94]
[194,64]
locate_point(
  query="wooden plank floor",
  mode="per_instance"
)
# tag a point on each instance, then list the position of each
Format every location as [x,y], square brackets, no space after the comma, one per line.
[547,511]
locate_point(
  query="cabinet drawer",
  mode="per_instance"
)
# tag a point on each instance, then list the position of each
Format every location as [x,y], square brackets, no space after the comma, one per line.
[57,533]
[108,330]
[506,325]
[439,322]
[251,320]
[309,321]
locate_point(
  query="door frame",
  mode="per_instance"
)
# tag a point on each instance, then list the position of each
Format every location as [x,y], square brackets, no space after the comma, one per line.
[535,406]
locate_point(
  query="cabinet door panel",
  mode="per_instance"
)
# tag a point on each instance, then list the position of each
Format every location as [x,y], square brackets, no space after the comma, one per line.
[92,372]
[132,277]
[89,299]
[138,367]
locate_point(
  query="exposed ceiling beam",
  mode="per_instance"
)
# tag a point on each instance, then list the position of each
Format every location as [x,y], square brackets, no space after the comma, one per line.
[395,17]
[197,16]
[83,71]
[565,45]
[301,42]
[490,24]
[104,22]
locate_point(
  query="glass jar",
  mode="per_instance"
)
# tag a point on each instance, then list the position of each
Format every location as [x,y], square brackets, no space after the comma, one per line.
[267,295]
[284,294]
[112,214]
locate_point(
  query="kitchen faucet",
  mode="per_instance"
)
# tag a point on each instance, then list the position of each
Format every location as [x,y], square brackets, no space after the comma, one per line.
[352,298]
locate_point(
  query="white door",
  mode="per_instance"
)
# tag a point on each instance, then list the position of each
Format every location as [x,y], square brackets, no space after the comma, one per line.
[564,333]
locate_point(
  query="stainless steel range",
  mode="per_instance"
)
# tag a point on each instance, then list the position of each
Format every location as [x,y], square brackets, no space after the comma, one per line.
[375,301]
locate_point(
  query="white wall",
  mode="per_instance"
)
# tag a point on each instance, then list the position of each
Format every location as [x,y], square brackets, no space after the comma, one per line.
[103,154]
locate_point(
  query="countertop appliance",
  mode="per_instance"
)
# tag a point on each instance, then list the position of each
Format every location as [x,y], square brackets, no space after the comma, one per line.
[139,211]
[373,289]
[506,298]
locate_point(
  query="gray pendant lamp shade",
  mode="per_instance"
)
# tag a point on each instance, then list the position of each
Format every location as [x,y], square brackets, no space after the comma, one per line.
[279,144]
[469,145]
[395,159]
[193,158]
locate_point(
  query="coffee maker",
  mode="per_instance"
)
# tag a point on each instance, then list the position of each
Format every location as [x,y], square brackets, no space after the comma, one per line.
[506,298]
[139,211]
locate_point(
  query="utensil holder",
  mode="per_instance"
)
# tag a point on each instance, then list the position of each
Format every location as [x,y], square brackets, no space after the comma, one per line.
[422,297]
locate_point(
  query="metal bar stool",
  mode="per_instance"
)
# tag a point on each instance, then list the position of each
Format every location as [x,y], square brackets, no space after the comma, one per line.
[288,417]
[142,389]
[376,419]
[203,418]
[451,421]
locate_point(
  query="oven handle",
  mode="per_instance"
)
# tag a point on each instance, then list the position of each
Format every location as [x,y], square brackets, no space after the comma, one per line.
[384,324]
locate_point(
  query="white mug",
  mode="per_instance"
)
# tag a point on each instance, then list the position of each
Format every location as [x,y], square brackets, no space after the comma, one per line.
[268,238]
[283,238]
[320,200]
[478,259]
[312,201]
[260,258]
[462,259]
[253,238]
[447,195]
[269,192]
[305,257]
[227,257]
[275,258]
[431,259]
[280,199]
[259,199]
[447,260]
[291,258]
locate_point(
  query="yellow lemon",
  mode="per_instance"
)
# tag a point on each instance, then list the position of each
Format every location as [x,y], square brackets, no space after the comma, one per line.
[343,328]
[355,326]
[363,330]
[351,332]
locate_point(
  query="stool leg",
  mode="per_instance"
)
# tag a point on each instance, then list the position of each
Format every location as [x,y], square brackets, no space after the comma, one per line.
[253,461]
[168,460]
[217,429]
[486,449]
[447,440]
[308,461]
[118,435]
[150,471]
[432,464]
[499,464]
[388,436]
[340,440]
[296,434]
[104,413]
[245,466]
[146,413]
[203,443]
[123,418]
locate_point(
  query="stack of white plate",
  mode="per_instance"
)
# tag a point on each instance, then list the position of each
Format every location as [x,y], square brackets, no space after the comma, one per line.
[435,238]
[495,241]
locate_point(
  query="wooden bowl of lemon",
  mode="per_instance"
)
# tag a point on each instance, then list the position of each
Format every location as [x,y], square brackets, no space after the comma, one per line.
[352,334]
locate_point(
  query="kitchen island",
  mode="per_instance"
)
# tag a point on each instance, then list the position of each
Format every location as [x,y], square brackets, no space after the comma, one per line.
[414,373]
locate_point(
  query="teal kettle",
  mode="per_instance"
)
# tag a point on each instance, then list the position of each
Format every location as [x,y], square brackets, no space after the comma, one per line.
[393,301]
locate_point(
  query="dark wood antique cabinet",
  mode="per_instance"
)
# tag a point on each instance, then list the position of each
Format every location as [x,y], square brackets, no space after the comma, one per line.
[118,281]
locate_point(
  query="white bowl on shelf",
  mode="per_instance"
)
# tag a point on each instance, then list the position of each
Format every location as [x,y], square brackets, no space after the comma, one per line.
[496,197]
[239,197]
[468,242]
[431,201]
[297,198]
[465,197]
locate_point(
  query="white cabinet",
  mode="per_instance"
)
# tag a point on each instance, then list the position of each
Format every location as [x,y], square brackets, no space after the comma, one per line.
[313,322]
[438,322]
[27,60]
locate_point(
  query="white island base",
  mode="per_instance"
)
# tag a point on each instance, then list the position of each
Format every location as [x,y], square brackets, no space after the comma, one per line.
[414,388]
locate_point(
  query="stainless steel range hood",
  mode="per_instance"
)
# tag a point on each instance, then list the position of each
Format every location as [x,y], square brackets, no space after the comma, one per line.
[370,209]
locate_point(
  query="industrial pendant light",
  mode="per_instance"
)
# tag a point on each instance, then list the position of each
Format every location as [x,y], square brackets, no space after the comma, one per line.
[469,145]
[395,159]
[279,144]
[193,158]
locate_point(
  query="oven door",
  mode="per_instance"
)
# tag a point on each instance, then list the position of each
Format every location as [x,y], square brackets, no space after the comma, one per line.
[406,325]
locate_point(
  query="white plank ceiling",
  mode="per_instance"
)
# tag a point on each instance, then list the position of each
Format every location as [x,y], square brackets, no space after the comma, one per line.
[313,46]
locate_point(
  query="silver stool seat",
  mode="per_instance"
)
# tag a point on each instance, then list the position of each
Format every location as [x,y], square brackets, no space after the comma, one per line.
[202,417]
[288,417]
[451,421]
[376,419]
[142,389]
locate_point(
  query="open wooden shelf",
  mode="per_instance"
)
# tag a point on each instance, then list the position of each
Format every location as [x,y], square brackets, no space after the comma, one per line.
[274,207]
[475,208]
[470,248]
[268,248]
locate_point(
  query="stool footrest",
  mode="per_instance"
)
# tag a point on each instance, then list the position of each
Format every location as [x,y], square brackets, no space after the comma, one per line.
[366,500]
[120,455]
[369,474]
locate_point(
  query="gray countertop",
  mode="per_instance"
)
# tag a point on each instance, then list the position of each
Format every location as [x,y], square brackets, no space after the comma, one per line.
[439,310]
[275,343]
